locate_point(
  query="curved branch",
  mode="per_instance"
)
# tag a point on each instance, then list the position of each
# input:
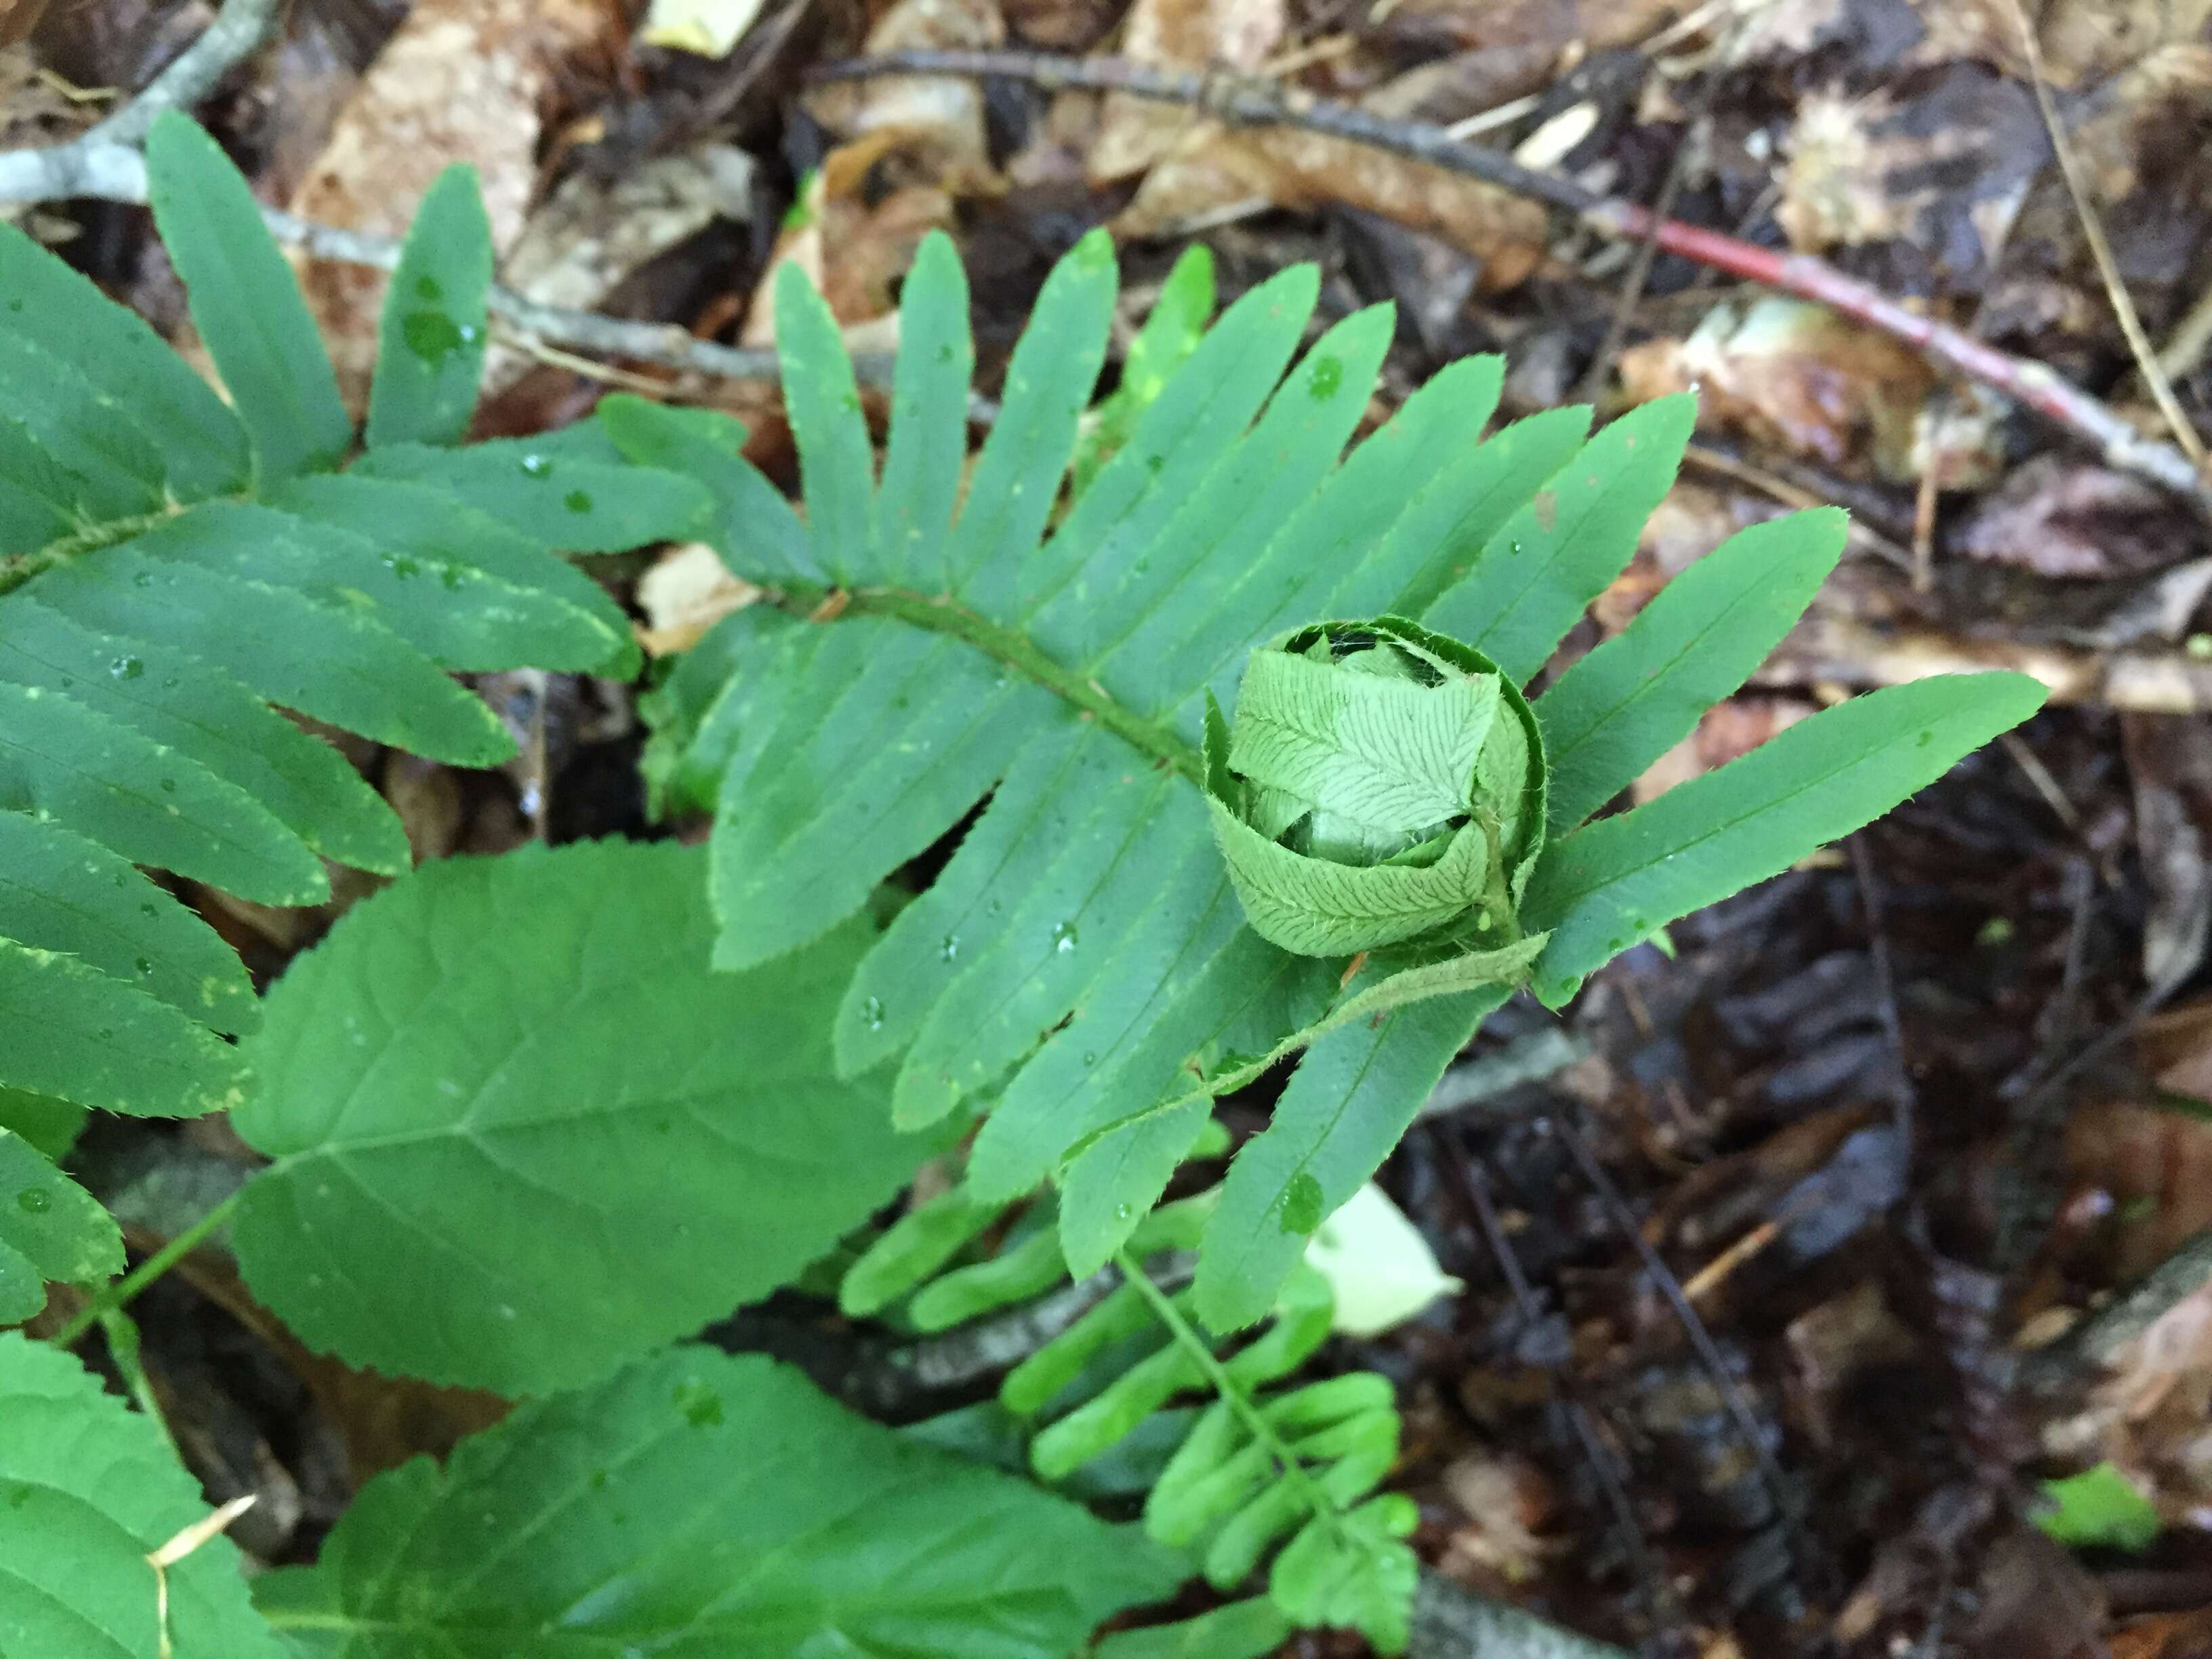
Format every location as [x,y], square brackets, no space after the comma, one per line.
[1244,102]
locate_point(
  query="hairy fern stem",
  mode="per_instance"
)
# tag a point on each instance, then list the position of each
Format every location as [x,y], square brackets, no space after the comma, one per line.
[939,615]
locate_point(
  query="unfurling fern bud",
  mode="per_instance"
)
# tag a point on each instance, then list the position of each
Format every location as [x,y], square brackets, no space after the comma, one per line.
[1380,784]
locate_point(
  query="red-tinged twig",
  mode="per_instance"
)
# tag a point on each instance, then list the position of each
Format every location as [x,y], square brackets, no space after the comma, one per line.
[1242,102]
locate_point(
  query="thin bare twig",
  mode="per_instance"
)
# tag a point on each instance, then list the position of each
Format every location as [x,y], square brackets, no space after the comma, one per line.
[1240,102]
[2092,229]
[1732,1400]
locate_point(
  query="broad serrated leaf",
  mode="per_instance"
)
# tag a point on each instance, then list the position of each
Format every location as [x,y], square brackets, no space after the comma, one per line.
[336,663]
[869,742]
[420,523]
[51,1125]
[61,761]
[1608,885]
[1350,1100]
[707,1506]
[1171,332]
[518,1079]
[923,461]
[558,501]
[244,302]
[203,447]
[61,892]
[76,1034]
[195,710]
[38,495]
[89,1488]
[51,1231]
[430,339]
[1635,697]
[111,464]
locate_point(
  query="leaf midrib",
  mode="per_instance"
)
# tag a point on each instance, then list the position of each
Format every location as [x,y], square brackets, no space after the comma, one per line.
[1014,649]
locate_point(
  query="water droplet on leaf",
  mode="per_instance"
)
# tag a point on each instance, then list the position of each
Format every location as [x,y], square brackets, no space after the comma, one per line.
[126,668]
[33,1200]
[1064,937]
[872,1013]
[1302,1205]
[432,336]
[537,466]
[949,947]
[701,1405]
[1327,376]
[578,502]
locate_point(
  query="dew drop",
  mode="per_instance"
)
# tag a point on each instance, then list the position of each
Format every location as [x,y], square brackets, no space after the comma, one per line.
[427,288]
[168,785]
[150,910]
[578,500]
[1064,938]
[1302,1205]
[142,579]
[537,466]
[1122,1212]
[126,668]
[33,1200]
[1925,739]
[401,566]
[432,336]
[872,1013]
[949,947]
[1090,1060]
[449,577]
[145,967]
[701,1405]
[1327,376]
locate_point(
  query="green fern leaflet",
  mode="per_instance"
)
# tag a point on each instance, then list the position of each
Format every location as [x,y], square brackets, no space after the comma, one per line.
[1081,965]
[174,567]
[1082,962]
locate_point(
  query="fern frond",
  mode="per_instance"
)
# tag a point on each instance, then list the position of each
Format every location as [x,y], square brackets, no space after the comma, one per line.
[1050,653]
[1271,1469]
[1060,669]
[175,569]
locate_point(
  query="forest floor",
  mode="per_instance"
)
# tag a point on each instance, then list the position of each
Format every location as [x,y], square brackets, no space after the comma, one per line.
[1794,1262]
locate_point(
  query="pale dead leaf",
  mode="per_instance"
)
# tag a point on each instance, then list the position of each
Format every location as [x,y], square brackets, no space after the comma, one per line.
[1282,167]
[590,235]
[686,593]
[1797,375]
[709,28]
[462,81]
[939,117]
[1229,34]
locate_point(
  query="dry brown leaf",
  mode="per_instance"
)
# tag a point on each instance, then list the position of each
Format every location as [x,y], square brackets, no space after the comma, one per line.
[1505,1499]
[2062,517]
[1799,376]
[1946,168]
[938,118]
[1230,34]
[1211,171]
[590,236]
[2165,1636]
[686,593]
[462,81]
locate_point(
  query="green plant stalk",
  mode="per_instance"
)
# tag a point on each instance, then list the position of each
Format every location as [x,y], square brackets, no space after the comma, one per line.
[120,1292]
[18,568]
[1226,1387]
[1012,648]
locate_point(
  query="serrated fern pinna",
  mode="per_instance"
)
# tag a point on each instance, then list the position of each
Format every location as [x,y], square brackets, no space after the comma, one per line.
[172,564]
[949,637]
